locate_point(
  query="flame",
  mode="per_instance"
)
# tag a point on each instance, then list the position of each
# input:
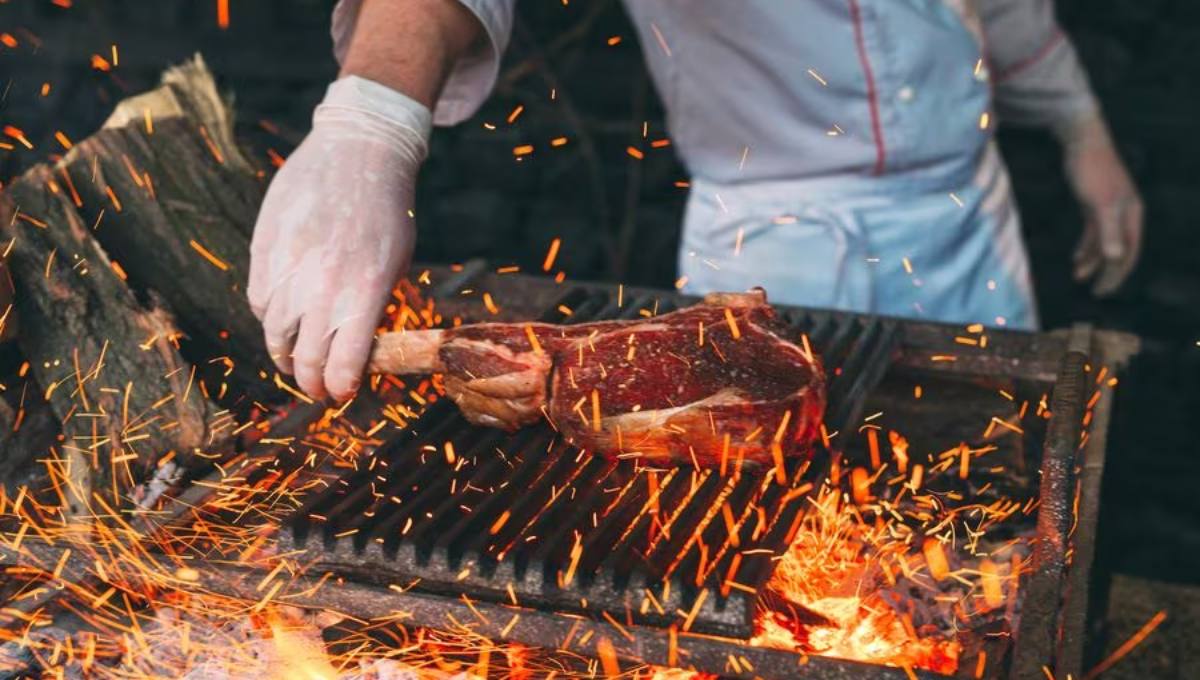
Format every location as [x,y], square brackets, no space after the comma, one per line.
[893,559]
[836,568]
[301,656]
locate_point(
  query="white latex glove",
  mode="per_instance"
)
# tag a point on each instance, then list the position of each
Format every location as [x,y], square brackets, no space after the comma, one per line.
[335,234]
[1112,208]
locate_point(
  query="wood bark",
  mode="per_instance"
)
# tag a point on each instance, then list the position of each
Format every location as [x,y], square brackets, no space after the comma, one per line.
[130,257]
[173,202]
[28,430]
[110,365]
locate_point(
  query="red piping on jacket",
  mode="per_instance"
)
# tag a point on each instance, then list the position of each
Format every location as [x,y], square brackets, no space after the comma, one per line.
[872,95]
[1032,59]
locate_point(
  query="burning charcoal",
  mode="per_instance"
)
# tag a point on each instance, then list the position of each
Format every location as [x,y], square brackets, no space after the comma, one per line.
[792,614]
[673,389]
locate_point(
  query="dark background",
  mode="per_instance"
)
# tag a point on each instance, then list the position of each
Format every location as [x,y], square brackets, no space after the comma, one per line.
[618,216]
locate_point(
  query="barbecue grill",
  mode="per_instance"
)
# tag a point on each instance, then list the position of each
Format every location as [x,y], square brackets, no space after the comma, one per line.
[583,533]
[533,543]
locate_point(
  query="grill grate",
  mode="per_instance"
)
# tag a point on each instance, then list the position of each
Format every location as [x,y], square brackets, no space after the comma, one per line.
[527,516]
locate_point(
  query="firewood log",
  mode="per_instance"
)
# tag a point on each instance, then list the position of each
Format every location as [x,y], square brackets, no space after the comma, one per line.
[130,257]
[112,372]
[172,201]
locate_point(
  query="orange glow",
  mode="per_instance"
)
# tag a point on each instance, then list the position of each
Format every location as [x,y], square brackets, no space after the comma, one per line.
[213,259]
[935,557]
[860,481]
[212,147]
[1129,644]
[112,196]
[548,264]
[826,571]
[865,541]
[490,304]
[18,135]
[993,593]
[733,326]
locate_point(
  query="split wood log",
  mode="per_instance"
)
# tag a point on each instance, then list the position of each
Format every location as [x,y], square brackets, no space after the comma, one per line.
[173,202]
[112,370]
[130,257]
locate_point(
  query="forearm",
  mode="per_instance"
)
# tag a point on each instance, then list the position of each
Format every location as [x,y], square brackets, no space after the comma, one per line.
[411,46]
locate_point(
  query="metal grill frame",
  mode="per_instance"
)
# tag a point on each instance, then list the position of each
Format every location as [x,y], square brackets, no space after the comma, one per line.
[1055,635]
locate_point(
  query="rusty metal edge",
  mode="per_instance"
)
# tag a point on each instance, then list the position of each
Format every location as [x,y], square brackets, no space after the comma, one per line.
[1038,631]
[1114,351]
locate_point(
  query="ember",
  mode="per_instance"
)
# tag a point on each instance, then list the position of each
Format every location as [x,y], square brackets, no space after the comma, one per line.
[888,596]
[900,557]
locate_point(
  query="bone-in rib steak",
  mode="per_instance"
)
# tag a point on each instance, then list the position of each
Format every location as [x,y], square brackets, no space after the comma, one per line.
[718,381]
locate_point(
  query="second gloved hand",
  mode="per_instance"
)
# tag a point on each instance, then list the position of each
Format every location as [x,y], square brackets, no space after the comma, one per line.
[1112,208]
[336,233]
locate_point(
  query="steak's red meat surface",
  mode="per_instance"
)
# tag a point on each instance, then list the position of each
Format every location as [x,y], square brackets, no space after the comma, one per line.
[719,381]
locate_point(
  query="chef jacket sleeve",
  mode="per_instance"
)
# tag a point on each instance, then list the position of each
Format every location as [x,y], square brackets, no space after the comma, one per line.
[1038,76]
[472,78]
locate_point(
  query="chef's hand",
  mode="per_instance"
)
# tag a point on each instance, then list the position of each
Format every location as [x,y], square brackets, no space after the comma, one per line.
[1112,208]
[335,234]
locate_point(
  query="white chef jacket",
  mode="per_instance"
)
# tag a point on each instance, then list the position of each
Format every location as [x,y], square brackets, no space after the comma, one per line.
[842,151]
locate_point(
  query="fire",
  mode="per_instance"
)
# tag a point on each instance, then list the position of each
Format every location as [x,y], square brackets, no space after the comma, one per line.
[838,568]
[891,562]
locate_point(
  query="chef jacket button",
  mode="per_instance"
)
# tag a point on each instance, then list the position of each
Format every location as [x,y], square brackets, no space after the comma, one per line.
[905,94]
[982,75]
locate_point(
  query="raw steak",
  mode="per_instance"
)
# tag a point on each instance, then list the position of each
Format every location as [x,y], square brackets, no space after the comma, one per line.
[707,385]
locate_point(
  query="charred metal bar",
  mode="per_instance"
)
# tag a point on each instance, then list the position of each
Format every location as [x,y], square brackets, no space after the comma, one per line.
[1086,587]
[501,623]
[1038,633]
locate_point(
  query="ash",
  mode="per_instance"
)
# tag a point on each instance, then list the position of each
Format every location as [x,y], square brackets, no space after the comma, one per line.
[282,643]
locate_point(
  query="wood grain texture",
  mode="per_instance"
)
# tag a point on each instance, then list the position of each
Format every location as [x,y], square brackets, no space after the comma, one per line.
[130,257]
[113,374]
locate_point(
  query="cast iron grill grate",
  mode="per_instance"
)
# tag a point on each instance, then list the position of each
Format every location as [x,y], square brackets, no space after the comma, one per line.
[526,516]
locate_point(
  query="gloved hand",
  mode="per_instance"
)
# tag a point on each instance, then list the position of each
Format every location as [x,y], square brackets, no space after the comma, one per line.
[1112,208]
[336,232]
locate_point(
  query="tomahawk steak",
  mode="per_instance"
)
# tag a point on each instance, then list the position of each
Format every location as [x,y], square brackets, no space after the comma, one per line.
[715,383]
